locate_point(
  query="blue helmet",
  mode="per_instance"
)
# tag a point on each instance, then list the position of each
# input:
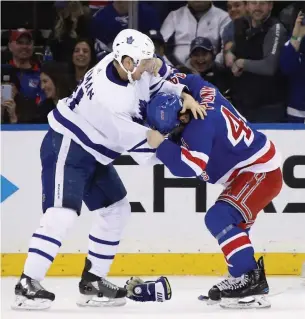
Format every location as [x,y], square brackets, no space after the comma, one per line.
[162,112]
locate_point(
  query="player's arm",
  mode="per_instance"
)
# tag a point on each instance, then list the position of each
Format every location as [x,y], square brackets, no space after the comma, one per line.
[161,68]
[159,85]
[143,154]
[185,161]
[132,138]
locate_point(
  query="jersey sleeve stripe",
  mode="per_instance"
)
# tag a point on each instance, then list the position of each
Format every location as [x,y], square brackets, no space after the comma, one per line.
[154,93]
[138,145]
[143,150]
[163,69]
[83,137]
[154,85]
[195,162]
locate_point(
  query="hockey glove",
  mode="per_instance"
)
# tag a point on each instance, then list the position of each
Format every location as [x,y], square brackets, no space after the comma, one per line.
[144,291]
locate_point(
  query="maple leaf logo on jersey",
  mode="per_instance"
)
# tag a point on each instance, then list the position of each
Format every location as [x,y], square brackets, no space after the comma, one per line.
[130,40]
[140,117]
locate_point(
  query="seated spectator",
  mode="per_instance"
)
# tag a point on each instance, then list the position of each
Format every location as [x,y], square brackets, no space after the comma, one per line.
[73,21]
[258,87]
[109,21]
[56,85]
[293,65]
[236,10]
[83,59]
[16,109]
[197,18]
[23,65]
[160,45]
[202,61]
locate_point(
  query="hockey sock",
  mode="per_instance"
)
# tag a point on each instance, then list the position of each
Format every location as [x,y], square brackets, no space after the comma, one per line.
[46,241]
[105,235]
[238,251]
[222,220]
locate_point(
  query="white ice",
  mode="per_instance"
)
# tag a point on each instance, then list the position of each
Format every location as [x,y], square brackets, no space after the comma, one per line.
[287,299]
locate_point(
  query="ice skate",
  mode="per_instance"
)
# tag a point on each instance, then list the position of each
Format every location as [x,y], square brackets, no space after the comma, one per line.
[99,292]
[30,295]
[247,291]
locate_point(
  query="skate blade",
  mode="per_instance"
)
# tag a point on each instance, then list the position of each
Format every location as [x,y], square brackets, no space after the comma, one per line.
[23,303]
[252,302]
[94,301]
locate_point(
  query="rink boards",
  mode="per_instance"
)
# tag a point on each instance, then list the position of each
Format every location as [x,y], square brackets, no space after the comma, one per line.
[166,233]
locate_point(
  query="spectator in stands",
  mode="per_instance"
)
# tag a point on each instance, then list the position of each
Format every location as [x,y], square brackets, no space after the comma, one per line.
[258,88]
[236,10]
[22,64]
[160,46]
[73,21]
[112,19]
[293,65]
[83,59]
[56,85]
[197,18]
[16,109]
[202,61]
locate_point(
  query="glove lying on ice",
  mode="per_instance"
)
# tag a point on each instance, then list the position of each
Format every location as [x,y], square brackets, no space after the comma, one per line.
[139,290]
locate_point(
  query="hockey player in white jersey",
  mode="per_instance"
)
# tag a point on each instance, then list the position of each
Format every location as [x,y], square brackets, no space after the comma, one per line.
[88,131]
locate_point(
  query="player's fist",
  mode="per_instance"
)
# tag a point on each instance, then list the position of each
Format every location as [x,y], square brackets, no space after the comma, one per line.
[138,290]
[154,138]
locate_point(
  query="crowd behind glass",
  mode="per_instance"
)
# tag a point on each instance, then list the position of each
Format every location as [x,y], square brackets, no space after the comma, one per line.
[253,51]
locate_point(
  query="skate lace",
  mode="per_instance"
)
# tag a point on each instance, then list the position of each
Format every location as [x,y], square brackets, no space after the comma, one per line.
[109,285]
[233,283]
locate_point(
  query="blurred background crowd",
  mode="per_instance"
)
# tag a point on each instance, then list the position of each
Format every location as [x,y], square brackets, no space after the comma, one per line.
[253,51]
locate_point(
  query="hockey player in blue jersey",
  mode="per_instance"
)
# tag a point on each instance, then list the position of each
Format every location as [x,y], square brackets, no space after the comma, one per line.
[221,149]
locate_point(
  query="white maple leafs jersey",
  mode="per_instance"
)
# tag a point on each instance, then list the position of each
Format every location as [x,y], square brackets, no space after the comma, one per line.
[105,114]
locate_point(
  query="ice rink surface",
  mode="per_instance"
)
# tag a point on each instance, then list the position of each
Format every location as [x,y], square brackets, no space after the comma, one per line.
[287,297]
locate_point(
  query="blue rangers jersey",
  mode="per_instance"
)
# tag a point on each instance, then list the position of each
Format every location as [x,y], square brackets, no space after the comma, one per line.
[219,147]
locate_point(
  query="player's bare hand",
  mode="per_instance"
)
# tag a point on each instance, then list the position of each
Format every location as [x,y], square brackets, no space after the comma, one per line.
[157,66]
[154,138]
[190,104]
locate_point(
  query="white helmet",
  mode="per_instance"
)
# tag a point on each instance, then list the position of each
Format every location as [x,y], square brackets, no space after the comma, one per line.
[134,44]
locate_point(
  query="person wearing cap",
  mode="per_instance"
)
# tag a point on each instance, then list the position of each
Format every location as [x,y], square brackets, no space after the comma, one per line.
[202,61]
[22,63]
